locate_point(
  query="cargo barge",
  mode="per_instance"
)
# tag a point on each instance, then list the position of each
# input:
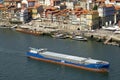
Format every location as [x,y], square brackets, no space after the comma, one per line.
[68,60]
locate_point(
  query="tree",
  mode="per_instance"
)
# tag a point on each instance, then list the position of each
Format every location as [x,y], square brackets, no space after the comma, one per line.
[95,7]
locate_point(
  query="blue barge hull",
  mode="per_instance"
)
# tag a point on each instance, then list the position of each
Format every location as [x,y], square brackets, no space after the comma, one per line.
[68,60]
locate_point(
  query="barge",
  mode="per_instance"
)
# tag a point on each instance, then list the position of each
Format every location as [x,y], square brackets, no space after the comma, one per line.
[68,60]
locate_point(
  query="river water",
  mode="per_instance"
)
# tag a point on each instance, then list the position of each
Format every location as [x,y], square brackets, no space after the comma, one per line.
[14,65]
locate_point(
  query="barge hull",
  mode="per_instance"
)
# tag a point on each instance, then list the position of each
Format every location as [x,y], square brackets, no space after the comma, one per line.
[70,65]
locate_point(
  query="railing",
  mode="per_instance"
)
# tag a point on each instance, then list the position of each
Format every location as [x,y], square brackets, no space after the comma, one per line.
[38,50]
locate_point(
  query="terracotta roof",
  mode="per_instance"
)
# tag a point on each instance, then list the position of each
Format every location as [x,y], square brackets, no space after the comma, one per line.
[78,9]
[12,0]
[108,5]
[105,0]
[1,5]
[117,7]
[93,12]
[112,1]
[85,11]
[50,8]
[100,0]
[117,0]
[57,14]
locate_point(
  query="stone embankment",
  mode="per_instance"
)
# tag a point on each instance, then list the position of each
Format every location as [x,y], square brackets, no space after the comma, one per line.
[4,23]
[107,37]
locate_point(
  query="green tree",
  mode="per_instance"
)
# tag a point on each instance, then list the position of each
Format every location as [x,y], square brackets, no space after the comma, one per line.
[95,7]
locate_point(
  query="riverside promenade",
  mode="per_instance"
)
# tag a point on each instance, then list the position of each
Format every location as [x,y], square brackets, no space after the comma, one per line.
[107,37]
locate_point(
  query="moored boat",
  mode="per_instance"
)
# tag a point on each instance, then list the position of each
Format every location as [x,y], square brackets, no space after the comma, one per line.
[79,38]
[68,60]
[117,32]
[28,31]
[60,36]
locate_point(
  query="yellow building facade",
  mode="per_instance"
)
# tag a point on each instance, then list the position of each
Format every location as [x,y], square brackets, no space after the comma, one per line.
[89,20]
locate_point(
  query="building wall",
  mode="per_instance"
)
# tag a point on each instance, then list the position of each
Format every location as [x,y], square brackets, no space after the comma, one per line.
[108,11]
[48,2]
[93,21]
[118,16]
[89,21]
[107,15]
[83,22]
[69,5]
[24,15]
[83,5]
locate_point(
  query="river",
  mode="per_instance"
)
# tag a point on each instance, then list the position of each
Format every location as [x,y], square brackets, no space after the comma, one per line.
[14,65]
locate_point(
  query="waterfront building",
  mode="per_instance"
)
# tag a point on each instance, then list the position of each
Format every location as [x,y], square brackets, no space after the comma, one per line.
[117,14]
[107,12]
[89,20]
[63,6]
[110,2]
[1,6]
[83,4]
[23,15]
[11,3]
[78,13]
[18,9]
[50,2]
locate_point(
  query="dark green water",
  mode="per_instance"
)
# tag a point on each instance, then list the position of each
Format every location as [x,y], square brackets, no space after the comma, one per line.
[14,65]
